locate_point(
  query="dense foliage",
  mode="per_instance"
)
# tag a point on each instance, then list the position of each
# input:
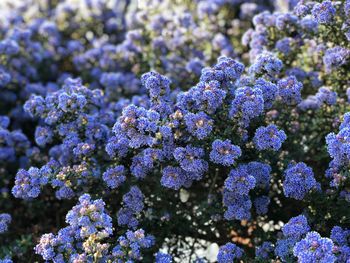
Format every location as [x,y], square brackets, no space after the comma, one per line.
[174,130]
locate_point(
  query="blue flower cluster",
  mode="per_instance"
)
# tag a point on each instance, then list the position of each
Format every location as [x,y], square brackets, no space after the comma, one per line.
[89,225]
[269,138]
[5,220]
[302,245]
[237,187]
[229,253]
[224,152]
[133,205]
[86,237]
[298,181]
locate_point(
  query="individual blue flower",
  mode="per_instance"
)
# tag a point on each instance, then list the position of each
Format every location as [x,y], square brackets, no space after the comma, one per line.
[346,121]
[117,146]
[199,124]
[6,260]
[310,103]
[130,246]
[296,227]
[126,217]
[156,84]
[298,181]
[89,217]
[4,122]
[229,253]
[5,78]
[9,47]
[289,89]
[347,7]
[114,176]
[173,177]
[324,12]
[158,87]
[340,235]
[70,102]
[205,96]
[84,149]
[314,248]
[138,125]
[224,152]
[286,21]
[269,137]
[138,168]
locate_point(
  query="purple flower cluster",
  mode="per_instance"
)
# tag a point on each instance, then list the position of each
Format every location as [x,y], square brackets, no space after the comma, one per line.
[269,138]
[236,192]
[224,152]
[229,253]
[298,181]
[314,248]
[130,245]
[5,220]
[190,159]
[133,205]
[114,176]
[199,124]
[247,104]
[296,227]
[289,89]
[89,225]
[323,12]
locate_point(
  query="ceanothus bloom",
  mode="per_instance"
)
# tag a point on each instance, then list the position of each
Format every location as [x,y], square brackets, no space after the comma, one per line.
[269,138]
[314,248]
[240,181]
[289,89]
[224,152]
[229,252]
[324,12]
[190,159]
[114,176]
[5,220]
[247,104]
[199,124]
[173,177]
[298,181]
[296,227]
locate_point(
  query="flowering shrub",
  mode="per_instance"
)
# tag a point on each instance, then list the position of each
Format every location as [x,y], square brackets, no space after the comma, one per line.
[174,131]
